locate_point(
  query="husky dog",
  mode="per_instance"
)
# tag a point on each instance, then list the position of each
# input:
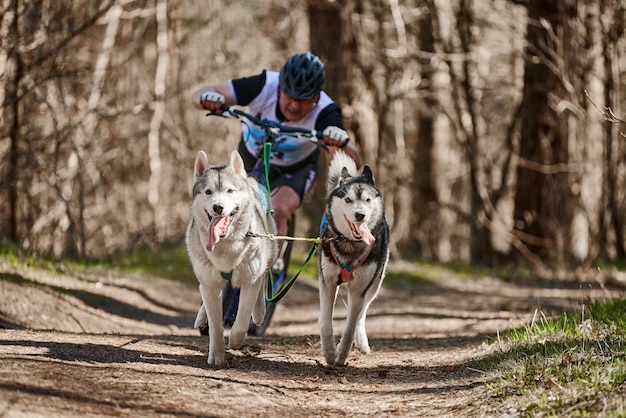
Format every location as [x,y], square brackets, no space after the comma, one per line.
[228,212]
[355,250]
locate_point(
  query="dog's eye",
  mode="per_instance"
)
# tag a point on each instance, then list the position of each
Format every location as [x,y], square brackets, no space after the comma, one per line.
[368,200]
[230,191]
[348,200]
[208,192]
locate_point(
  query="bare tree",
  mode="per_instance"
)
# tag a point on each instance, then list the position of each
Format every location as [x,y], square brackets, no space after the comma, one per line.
[613,221]
[379,78]
[160,81]
[96,115]
[544,202]
[11,72]
[34,61]
[426,200]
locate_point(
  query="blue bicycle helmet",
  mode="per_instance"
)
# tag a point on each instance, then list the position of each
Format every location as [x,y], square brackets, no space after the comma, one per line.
[302,76]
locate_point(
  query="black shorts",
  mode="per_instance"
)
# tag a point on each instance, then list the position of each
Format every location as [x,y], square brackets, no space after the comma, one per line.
[299,177]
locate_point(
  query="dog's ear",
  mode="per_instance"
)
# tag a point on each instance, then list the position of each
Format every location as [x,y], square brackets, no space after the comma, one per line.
[345,175]
[236,163]
[201,165]
[368,175]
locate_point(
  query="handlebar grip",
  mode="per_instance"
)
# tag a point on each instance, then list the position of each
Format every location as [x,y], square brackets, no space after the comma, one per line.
[226,111]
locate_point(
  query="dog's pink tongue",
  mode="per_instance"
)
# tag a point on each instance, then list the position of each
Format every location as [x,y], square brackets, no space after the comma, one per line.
[366,235]
[216,230]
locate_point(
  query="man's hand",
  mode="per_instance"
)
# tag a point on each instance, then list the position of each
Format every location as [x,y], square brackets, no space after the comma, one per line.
[335,137]
[212,101]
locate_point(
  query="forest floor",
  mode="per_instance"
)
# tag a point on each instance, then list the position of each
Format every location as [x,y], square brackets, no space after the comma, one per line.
[104,343]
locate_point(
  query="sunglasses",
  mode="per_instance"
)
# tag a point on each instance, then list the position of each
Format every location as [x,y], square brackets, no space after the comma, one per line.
[303,102]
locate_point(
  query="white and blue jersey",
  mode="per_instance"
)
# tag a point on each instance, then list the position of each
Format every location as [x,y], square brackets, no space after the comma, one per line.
[288,149]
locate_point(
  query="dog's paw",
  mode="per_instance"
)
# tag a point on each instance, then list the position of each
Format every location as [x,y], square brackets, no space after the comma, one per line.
[362,344]
[216,360]
[202,320]
[343,350]
[364,349]
[329,349]
[236,340]
[341,361]
[330,356]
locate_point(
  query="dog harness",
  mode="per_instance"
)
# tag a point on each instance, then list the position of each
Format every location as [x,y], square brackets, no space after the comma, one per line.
[346,271]
[227,275]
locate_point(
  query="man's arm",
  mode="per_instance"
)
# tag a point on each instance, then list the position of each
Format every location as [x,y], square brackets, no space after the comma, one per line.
[243,91]
[331,116]
[221,88]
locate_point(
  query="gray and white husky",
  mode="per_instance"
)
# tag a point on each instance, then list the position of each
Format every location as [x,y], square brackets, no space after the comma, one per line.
[227,211]
[355,251]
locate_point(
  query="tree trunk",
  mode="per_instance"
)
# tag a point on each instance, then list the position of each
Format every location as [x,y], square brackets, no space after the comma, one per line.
[425,200]
[612,220]
[325,33]
[480,238]
[13,72]
[544,201]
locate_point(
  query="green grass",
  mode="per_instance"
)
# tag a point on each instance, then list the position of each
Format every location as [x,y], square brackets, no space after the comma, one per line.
[297,262]
[572,365]
[409,280]
[170,262]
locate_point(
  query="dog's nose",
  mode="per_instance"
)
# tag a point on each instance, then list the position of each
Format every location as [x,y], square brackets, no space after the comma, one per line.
[218,209]
[359,216]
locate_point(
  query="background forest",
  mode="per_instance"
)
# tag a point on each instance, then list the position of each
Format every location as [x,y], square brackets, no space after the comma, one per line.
[493,126]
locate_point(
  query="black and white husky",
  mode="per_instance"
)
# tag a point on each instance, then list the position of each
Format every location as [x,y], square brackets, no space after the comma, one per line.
[229,211]
[355,251]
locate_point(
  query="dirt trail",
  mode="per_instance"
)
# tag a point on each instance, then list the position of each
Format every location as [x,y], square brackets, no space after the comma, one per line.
[99,343]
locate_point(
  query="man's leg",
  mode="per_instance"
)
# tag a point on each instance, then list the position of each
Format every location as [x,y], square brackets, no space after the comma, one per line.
[285,201]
